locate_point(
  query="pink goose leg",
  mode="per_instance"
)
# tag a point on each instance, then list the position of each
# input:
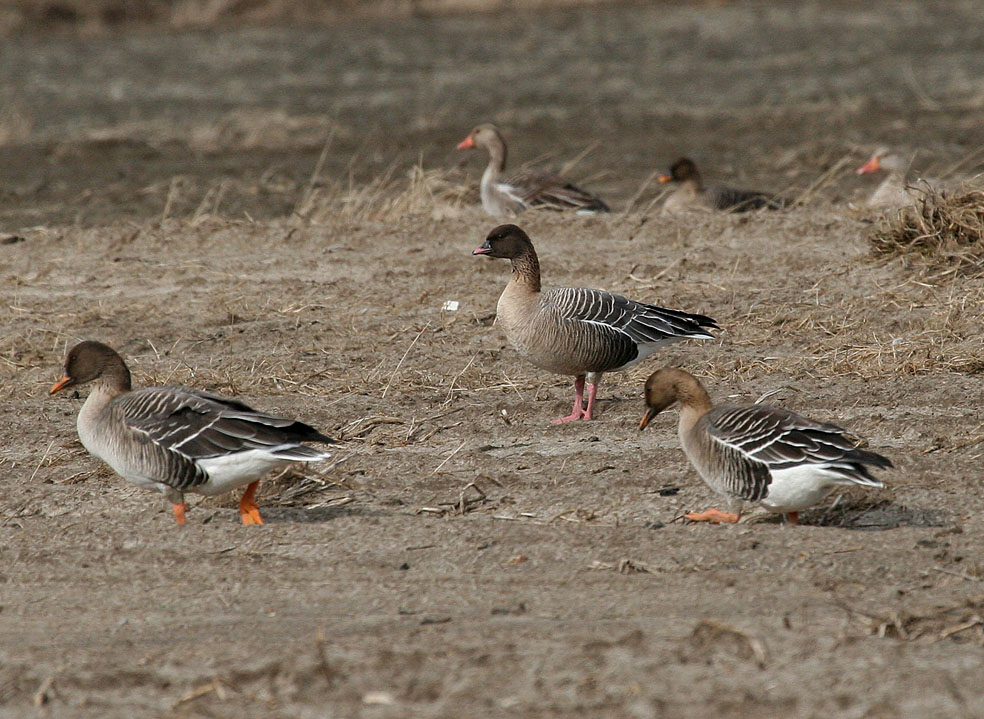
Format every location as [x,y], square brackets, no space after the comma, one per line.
[592,388]
[578,410]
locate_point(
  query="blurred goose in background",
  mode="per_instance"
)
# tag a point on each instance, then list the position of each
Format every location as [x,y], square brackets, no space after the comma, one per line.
[692,193]
[895,190]
[176,439]
[577,331]
[509,195]
[758,453]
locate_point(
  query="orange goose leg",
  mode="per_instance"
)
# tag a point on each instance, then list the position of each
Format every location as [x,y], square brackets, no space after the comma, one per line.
[793,517]
[179,512]
[578,410]
[249,510]
[714,516]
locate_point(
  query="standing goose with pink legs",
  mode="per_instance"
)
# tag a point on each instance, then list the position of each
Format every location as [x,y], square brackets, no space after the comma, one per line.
[577,331]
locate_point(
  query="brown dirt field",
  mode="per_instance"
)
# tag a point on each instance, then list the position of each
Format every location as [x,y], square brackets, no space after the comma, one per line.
[450,564]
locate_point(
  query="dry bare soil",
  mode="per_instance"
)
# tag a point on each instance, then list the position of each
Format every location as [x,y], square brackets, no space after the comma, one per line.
[232,210]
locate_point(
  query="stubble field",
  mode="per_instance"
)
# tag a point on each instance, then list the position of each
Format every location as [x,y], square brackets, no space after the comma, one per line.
[237,210]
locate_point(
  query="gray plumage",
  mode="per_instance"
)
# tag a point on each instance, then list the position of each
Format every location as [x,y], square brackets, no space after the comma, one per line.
[520,190]
[551,191]
[734,199]
[174,427]
[577,331]
[691,192]
[744,445]
[602,331]
[177,439]
[758,453]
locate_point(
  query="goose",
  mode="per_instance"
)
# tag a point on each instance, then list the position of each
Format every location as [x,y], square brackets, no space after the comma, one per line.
[895,191]
[177,439]
[693,194]
[510,195]
[576,331]
[757,453]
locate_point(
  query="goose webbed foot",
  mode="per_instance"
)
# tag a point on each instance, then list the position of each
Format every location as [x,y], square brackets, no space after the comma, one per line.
[714,516]
[578,412]
[249,510]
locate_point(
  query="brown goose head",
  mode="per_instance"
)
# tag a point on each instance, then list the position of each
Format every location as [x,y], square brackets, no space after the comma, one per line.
[506,241]
[88,361]
[661,393]
[669,385]
[487,136]
[680,171]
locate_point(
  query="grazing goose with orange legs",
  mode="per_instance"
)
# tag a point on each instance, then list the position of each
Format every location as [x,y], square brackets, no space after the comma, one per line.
[177,439]
[757,453]
[577,331]
[510,195]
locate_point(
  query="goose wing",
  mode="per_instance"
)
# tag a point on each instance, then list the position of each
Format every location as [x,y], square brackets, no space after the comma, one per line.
[642,323]
[738,200]
[607,331]
[780,439]
[546,189]
[188,425]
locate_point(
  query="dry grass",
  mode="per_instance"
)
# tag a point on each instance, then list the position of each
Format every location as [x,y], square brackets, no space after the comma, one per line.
[436,193]
[941,232]
[913,328]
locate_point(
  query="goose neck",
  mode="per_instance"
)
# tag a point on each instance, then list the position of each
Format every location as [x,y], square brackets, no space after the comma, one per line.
[694,404]
[101,394]
[526,270]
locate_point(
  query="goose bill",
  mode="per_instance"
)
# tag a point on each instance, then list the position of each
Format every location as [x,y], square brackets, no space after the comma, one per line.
[61,384]
[647,418]
[871,165]
[467,144]
[663,179]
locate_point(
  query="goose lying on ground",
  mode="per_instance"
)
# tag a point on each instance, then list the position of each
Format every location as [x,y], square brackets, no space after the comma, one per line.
[693,194]
[509,195]
[758,453]
[177,439]
[895,190]
[577,331]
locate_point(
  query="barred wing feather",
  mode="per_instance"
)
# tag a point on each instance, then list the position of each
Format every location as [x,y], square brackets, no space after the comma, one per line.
[538,188]
[189,425]
[781,439]
[644,324]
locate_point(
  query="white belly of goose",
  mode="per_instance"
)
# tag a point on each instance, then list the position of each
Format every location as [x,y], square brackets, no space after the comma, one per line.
[229,471]
[799,488]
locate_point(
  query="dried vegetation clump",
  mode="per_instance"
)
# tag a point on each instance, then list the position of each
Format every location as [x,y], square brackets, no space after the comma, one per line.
[942,232]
